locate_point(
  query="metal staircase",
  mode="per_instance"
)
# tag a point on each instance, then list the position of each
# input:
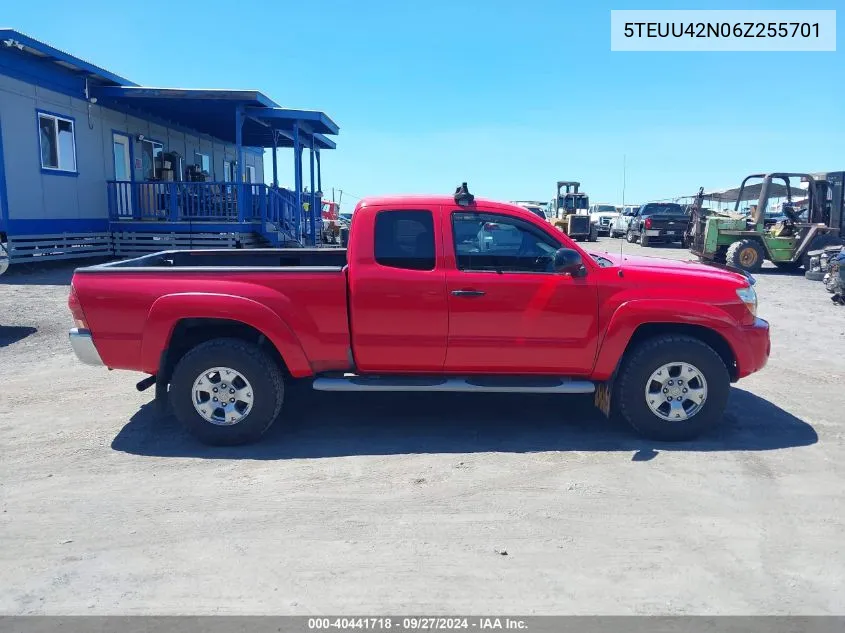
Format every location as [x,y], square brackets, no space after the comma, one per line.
[281,226]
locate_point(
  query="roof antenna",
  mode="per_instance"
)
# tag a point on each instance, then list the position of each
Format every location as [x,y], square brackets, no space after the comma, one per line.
[463,197]
[622,240]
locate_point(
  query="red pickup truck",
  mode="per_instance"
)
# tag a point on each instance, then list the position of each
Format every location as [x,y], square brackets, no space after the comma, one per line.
[433,293]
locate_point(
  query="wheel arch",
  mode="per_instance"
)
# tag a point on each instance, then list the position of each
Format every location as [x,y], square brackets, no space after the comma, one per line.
[636,321]
[190,332]
[706,335]
[177,323]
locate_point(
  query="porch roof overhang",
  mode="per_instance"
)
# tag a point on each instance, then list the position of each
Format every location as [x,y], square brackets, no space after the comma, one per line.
[213,112]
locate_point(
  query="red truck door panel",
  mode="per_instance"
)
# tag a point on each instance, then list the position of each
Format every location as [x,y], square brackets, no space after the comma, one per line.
[508,312]
[397,291]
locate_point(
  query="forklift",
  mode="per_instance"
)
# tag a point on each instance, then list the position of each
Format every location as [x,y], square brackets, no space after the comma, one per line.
[570,212]
[745,241]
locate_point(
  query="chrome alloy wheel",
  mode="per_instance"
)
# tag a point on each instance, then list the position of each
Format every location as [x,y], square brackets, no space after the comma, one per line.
[222,396]
[676,391]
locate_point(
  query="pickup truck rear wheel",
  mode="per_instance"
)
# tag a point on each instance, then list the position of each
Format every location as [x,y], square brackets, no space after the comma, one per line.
[644,240]
[226,391]
[672,388]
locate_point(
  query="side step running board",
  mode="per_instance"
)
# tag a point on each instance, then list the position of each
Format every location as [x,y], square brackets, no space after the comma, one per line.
[473,384]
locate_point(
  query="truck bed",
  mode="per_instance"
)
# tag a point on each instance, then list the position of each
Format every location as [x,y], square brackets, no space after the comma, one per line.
[133,306]
[317,259]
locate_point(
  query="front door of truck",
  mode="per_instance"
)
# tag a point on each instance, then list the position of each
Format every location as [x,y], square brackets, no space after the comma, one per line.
[399,315]
[508,311]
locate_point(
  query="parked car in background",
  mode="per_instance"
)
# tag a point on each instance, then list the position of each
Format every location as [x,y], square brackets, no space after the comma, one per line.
[620,223]
[658,222]
[537,208]
[603,216]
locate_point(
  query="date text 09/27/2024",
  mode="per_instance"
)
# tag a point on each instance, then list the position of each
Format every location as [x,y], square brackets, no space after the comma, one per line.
[416,623]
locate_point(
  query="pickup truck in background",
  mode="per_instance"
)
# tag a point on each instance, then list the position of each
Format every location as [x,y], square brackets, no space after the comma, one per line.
[657,222]
[434,294]
[619,226]
[603,216]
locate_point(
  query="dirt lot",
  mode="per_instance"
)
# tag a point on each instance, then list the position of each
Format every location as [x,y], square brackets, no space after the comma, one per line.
[389,504]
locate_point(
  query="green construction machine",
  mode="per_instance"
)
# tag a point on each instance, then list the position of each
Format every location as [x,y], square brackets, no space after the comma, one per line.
[785,237]
[571,212]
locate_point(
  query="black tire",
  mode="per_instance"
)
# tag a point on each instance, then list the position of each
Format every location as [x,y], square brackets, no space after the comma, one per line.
[819,243]
[261,371]
[629,399]
[815,275]
[629,236]
[747,254]
[644,239]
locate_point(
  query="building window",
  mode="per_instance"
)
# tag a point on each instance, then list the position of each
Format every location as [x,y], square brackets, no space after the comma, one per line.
[150,158]
[228,171]
[249,176]
[58,142]
[203,161]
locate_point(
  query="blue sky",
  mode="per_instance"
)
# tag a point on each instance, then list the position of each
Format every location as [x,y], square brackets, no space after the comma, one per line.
[509,96]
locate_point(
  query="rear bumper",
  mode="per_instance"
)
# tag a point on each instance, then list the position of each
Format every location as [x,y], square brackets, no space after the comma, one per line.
[664,233]
[756,345]
[83,346]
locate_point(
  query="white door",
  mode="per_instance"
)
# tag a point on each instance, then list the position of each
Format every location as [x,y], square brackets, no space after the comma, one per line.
[122,174]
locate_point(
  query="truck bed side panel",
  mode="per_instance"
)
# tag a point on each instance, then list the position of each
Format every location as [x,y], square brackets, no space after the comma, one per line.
[118,305]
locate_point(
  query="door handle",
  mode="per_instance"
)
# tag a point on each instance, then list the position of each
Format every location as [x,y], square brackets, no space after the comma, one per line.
[468,293]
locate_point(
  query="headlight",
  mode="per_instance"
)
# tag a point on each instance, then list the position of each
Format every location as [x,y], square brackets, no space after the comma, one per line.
[749,297]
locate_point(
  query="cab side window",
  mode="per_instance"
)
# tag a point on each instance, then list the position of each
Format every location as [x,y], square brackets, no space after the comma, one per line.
[492,242]
[405,239]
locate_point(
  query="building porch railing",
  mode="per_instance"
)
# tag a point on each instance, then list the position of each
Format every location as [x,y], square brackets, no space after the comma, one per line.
[210,202]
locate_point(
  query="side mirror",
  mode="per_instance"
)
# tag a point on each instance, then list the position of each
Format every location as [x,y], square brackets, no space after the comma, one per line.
[568,261]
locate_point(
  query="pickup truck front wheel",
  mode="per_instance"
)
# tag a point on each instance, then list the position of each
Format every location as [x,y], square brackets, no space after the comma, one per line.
[672,388]
[226,392]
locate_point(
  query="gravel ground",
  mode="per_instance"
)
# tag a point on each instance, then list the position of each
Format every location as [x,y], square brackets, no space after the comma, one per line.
[393,504]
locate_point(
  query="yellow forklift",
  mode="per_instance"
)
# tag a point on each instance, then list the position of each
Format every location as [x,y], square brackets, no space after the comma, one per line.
[570,212]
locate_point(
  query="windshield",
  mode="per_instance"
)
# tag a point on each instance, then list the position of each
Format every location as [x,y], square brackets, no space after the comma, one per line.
[606,208]
[663,208]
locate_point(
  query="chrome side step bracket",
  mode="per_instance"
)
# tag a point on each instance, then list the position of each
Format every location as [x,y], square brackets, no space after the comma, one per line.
[468,384]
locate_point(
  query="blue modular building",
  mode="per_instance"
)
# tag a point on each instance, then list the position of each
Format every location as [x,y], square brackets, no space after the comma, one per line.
[94,164]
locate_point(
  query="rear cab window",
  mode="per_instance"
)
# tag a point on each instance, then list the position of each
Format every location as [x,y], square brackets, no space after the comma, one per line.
[405,239]
[663,209]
